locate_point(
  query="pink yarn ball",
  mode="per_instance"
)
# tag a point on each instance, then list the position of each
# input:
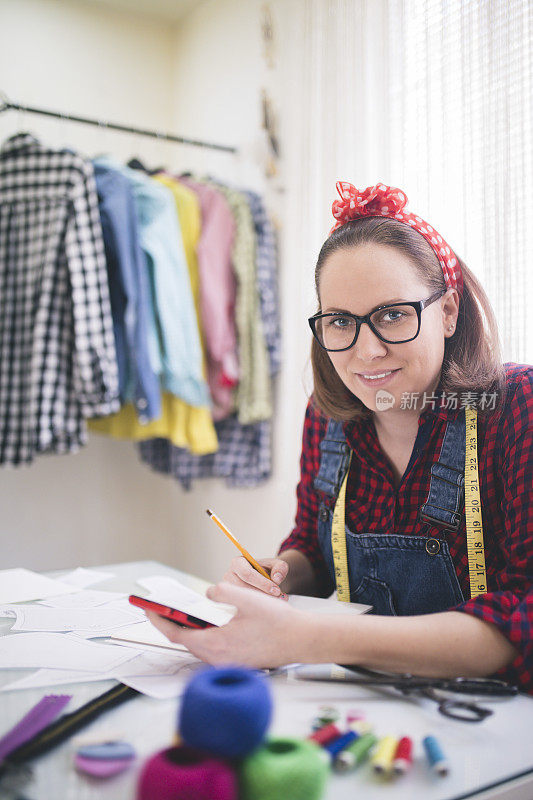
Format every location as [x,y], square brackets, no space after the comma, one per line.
[182,773]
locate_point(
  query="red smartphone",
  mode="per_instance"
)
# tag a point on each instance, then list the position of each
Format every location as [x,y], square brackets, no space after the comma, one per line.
[179,617]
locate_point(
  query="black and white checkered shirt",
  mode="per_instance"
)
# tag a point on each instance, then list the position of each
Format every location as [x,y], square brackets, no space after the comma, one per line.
[57,352]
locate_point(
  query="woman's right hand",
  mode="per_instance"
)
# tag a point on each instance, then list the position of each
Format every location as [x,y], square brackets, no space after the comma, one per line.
[241,573]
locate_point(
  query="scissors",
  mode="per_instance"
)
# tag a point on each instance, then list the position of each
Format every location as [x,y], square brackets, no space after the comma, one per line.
[463,710]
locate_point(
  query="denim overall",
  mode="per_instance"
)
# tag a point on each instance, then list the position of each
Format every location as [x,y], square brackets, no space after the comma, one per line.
[400,574]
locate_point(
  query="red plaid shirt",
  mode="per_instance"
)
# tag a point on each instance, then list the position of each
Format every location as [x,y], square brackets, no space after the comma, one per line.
[374,505]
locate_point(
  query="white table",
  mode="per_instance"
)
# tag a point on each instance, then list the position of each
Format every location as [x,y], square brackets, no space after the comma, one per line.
[491,759]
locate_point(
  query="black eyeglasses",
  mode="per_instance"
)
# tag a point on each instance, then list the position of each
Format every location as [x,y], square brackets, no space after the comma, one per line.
[394,324]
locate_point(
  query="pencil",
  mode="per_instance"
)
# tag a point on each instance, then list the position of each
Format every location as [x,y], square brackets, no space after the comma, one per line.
[250,559]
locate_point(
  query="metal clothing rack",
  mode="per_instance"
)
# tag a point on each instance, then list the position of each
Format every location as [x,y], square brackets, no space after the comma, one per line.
[7,105]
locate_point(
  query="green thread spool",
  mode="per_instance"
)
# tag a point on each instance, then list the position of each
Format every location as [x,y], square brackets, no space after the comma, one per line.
[355,753]
[292,769]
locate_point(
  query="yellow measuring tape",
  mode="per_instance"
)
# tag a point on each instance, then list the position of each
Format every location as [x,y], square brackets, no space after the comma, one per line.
[474,522]
[338,542]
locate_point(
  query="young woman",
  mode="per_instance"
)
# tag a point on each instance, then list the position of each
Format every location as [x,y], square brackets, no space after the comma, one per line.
[404,340]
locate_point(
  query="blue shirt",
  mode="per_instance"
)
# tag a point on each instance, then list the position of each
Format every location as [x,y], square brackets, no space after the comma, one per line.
[174,338]
[129,291]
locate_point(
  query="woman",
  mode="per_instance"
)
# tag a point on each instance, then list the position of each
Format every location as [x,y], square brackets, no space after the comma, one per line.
[404,340]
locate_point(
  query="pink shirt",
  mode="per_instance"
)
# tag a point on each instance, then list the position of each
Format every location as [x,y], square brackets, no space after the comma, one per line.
[217,296]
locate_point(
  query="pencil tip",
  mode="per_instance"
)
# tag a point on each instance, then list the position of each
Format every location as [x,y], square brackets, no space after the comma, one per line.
[209,512]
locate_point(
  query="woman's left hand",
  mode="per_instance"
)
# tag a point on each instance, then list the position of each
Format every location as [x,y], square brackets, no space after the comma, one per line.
[265,632]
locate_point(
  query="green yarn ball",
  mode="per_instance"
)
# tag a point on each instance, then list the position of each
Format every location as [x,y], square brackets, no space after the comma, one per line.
[292,769]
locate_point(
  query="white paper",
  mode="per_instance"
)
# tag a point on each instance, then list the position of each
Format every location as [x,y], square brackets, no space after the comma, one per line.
[319,605]
[170,592]
[55,677]
[86,598]
[159,675]
[156,665]
[59,651]
[84,620]
[19,585]
[145,634]
[82,578]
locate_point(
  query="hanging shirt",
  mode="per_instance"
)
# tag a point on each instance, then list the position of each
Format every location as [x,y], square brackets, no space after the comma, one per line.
[182,424]
[267,280]
[129,290]
[190,427]
[58,361]
[244,456]
[174,343]
[373,504]
[217,288]
[243,459]
[254,393]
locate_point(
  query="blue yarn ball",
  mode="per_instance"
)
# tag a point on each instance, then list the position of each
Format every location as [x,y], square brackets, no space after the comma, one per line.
[225,711]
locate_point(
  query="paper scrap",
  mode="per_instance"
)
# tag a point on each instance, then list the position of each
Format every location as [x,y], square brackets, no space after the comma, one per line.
[55,677]
[86,598]
[159,675]
[82,577]
[84,620]
[59,651]
[320,605]
[19,585]
[144,634]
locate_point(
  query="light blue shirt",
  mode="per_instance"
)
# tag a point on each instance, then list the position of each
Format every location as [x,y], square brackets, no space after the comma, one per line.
[173,335]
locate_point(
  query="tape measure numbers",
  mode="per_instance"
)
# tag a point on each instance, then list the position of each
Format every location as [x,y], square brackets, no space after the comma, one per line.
[474,522]
[338,542]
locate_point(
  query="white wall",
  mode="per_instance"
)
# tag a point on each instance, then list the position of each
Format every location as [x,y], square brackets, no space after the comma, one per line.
[203,79]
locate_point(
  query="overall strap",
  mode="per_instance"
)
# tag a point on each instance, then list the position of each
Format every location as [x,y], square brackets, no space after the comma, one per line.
[443,506]
[334,459]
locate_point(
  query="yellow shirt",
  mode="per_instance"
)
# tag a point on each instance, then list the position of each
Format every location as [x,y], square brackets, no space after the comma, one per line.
[184,425]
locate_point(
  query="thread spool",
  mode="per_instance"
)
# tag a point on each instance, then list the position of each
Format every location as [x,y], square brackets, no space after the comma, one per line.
[292,769]
[225,711]
[326,734]
[384,754]
[353,715]
[403,756]
[360,726]
[337,745]
[182,773]
[437,759]
[355,753]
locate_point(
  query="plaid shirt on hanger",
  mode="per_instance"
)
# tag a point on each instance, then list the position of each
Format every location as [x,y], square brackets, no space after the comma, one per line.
[57,352]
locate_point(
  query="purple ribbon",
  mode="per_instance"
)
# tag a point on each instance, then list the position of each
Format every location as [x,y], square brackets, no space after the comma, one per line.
[35,720]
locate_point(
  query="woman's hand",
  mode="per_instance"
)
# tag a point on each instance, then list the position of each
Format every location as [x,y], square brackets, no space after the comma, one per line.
[242,574]
[263,633]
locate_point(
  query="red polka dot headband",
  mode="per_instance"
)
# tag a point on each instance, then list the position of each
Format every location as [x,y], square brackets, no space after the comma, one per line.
[386,201]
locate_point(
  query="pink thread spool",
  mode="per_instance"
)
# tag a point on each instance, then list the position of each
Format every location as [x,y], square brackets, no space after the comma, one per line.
[182,773]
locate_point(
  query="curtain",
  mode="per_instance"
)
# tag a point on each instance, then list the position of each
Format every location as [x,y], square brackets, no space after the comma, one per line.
[435,97]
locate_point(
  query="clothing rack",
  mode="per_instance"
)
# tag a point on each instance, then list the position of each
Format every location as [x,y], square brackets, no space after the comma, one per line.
[7,105]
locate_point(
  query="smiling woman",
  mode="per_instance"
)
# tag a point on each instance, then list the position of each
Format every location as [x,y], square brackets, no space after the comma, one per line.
[408,380]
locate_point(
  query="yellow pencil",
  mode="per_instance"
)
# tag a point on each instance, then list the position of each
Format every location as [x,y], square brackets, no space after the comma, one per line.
[250,559]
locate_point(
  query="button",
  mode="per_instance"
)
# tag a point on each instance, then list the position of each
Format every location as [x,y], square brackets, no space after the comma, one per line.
[324,514]
[142,403]
[143,419]
[433,547]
